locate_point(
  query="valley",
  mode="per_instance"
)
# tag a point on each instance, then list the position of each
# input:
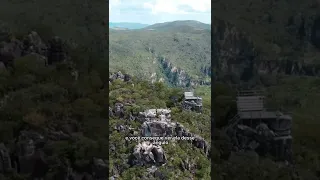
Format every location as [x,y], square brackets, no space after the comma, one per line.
[176,53]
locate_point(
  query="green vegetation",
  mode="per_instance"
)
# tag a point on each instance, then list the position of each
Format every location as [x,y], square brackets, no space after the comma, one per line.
[48,98]
[269,33]
[145,96]
[159,53]
[178,45]
[297,95]
[52,98]
[278,29]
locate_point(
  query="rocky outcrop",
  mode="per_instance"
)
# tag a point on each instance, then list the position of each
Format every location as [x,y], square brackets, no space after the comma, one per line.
[118,110]
[147,153]
[237,57]
[53,51]
[233,53]
[120,76]
[157,123]
[28,157]
[179,77]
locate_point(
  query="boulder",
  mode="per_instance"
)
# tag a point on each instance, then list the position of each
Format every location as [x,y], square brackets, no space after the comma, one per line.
[147,153]
[118,110]
[33,43]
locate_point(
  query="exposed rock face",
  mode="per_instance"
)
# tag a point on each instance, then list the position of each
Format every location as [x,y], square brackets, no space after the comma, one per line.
[157,123]
[261,139]
[157,128]
[254,128]
[118,110]
[120,76]
[232,50]
[188,165]
[33,43]
[155,114]
[28,157]
[54,51]
[146,153]
[237,58]
[178,76]
[110,112]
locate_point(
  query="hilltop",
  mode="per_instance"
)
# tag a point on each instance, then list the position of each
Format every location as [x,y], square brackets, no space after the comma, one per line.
[174,52]
[180,25]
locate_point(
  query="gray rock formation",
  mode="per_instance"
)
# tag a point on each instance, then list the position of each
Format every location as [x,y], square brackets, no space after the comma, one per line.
[155,114]
[28,158]
[118,110]
[148,153]
[120,76]
[54,51]
[33,44]
[238,58]
[110,112]
[5,159]
[157,123]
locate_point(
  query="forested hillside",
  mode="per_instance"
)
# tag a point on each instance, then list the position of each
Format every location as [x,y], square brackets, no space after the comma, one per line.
[178,53]
[53,90]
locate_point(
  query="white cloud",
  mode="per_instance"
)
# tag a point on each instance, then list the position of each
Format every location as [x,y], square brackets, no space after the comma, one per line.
[113,4]
[175,6]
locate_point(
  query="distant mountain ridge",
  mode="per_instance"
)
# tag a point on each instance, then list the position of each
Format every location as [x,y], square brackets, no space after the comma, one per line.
[127,25]
[196,25]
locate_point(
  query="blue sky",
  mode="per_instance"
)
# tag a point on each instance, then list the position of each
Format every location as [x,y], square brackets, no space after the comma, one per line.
[157,11]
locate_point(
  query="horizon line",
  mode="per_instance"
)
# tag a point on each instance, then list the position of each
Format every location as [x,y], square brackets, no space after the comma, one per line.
[156,22]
